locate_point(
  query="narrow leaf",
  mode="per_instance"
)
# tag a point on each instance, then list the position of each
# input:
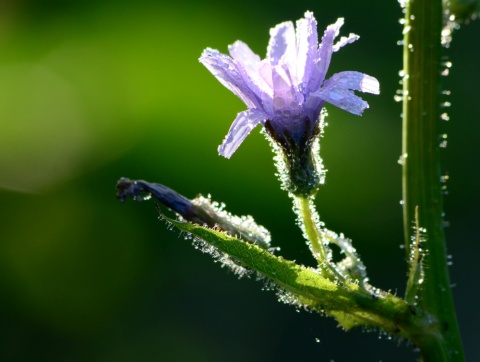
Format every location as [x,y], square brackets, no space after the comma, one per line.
[349,304]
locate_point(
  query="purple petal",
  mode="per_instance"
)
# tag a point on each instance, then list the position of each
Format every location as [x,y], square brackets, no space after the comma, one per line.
[337,90]
[354,81]
[252,69]
[284,93]
[228,73]
[313,106]
[345,40]
[245,57]
[325,51]
[282,44]
[265,73]
[307,44]
[343,99]
[239,130]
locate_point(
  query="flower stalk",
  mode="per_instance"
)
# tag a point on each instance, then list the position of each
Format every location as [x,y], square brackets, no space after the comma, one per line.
[309,224]
[318,238]
[422,187]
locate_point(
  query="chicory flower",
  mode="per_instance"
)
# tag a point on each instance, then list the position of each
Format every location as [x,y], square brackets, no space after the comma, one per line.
[286,91]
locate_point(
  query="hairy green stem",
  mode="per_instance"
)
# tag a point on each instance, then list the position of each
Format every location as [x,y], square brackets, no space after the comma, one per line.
[416,272]
[421,173]
[316,235]
[309,225]
[347,302]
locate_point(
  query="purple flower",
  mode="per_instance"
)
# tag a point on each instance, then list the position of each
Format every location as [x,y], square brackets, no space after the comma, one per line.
[287,90]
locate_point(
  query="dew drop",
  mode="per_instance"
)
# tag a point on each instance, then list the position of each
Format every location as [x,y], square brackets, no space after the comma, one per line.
[144,197]
[278,102]
[401,159]
[337,94]
[406,29]
[444,117]
[447,64]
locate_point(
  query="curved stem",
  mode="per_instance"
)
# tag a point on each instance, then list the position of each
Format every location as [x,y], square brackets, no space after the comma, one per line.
[317,236]
[421,172]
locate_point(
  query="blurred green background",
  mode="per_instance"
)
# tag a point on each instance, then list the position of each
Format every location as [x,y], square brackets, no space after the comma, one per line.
[94,90]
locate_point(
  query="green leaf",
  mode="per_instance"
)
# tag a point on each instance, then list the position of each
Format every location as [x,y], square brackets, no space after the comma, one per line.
[349,304]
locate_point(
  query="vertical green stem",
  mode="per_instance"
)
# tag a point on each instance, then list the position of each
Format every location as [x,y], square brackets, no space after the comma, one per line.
[310,227]
[421,171]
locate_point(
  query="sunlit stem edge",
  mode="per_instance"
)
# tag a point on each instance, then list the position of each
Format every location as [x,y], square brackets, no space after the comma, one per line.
[421,172]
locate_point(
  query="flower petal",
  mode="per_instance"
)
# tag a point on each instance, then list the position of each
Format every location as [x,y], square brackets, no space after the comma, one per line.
[307,44]
[239,130]
[341,97]
[285,96]
[228,73]
[325,51]
[355,81]
[345,40]
[242,53]
[265,74]
[282,44]
[252,71]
